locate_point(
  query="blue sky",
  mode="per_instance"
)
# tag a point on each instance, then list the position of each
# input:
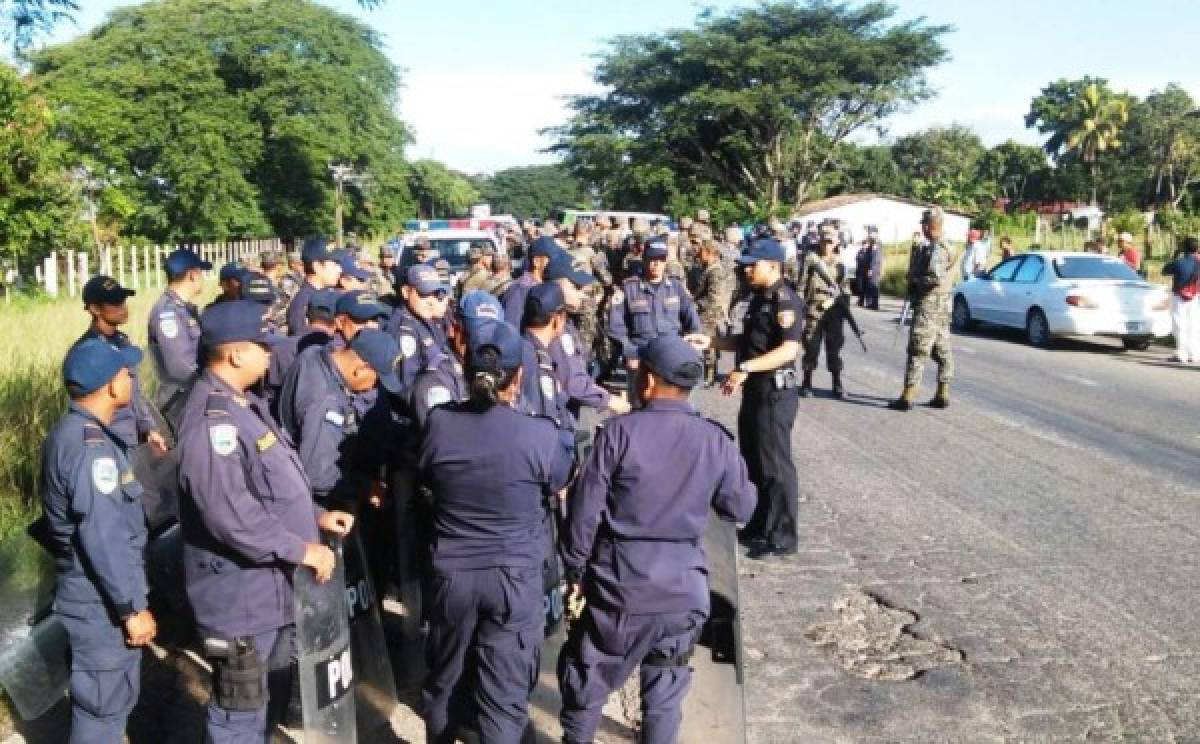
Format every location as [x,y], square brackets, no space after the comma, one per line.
[483,76]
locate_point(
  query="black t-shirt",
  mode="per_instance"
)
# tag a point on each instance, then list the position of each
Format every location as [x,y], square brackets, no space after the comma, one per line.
[774,315]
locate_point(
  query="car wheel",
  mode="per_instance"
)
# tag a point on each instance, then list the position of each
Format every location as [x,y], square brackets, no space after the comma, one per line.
[1037,330]
[960,316]
[1135,343]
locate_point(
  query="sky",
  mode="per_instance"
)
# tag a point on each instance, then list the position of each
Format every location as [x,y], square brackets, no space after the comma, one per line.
[482,77]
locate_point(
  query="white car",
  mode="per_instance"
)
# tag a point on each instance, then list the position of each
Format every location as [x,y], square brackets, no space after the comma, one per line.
[1052,293]
[452,246]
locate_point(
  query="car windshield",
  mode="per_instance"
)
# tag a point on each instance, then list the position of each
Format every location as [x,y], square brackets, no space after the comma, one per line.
[455,251]
[1099,267]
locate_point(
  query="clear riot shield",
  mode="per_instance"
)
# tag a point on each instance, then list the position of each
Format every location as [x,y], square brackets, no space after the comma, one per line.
[33,645]
[374,685]
[36,671]
[324,656]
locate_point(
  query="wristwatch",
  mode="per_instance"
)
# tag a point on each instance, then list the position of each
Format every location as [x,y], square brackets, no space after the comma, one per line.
[744,367]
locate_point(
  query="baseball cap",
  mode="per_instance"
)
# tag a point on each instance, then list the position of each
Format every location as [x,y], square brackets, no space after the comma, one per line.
[91,364]
[238,320]
[257,287]
[381,351]
[544,246]
[656,250]
[542,302]
[350,266]
[231,270]
[495,347]
[764,249]
[323,304]
[361,305]
[561,267]
[673,359]
[425,280]
[316,248]
[104,290]
[477,308]
[182,259]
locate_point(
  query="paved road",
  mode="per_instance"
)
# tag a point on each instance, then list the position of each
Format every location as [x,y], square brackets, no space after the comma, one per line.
[1047,526]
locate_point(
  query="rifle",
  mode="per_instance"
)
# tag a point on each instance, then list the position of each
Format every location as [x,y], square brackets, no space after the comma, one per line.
[842,299]
[900,322]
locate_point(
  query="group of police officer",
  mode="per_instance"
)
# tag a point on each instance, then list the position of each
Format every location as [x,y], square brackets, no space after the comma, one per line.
[447,430]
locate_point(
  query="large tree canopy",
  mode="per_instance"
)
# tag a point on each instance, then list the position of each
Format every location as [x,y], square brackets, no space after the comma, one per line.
[225,125]
[532,190]
[753,103]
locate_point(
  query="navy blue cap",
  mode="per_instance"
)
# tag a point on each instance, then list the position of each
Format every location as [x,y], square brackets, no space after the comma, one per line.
[544,246]
[323,304]
[91,364]
[379,350]
[542,302]
[257,287]
[104,290]
[239,320]
[561,267]
[764,249]
[231,270]
[181,260]
[350,266]
[477,308]
[673,359]
[494,347]
[656,249]
[425,280]
[361,305]
[316,248]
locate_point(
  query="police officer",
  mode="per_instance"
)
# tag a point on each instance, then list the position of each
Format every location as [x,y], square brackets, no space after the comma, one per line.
[652,305]
[105,300]
[513,299]
[444,380]
[321,269]
[322,309]
[321,410]
[358,309]
[821,277]
[418,324]
[492,471]
[714,292]
[173,329]
[353,276]
[930,281]
[248,519]
[229,279]
[772,330]
[97,532]
[632,546]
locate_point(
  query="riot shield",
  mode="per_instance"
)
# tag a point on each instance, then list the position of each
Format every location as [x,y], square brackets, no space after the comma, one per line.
[35,672]
[323,655]
[408,564]
[159,477]
[374,685]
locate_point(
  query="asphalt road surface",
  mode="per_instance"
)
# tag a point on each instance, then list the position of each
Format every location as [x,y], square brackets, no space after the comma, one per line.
[1044,533]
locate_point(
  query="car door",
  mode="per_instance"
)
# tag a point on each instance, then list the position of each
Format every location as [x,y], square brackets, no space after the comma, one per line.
[1018,295]
[989,300]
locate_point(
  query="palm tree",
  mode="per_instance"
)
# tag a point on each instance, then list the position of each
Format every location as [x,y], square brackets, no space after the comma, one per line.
[1099,116]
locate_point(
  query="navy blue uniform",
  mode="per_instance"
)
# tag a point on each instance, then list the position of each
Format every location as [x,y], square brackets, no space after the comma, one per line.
[642,310]
[173,333]
[636,517]
[133,422]
[93,506]
[283,356]
[436,386]
[247,515]
[422,344]
[492,472]
[542,393]
[513,299]
[570,368]
[297,313]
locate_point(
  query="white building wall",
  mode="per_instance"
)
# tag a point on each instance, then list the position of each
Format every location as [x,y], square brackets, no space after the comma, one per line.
[896,221]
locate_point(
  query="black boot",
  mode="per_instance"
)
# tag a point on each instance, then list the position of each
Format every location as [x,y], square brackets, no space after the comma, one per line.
[806,385]
[838,391]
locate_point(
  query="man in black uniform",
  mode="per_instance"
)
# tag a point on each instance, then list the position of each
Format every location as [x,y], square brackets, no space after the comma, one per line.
[766,358]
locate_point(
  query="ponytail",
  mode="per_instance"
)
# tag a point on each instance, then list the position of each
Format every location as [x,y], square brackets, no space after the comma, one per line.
[488,378]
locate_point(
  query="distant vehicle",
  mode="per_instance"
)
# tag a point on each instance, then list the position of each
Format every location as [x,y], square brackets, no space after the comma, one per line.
[452,246]
[1053,293]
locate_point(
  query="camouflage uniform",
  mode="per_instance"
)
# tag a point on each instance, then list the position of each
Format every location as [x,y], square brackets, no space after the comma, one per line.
[477,278]
[930,279]
[379,284]
[824,318]
[714,293]
[496,284]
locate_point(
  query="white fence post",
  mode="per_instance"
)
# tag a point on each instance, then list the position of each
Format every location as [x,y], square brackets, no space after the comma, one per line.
[50,273]
[70,273]
[134,283]
[158,266]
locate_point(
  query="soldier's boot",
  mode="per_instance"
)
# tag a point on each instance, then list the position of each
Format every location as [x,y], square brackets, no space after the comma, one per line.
[838,391]
[905,401]
[806,385]
[941,399]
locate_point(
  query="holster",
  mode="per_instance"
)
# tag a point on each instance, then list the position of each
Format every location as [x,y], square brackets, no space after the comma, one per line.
[239,679]
[655,659]
[784,378]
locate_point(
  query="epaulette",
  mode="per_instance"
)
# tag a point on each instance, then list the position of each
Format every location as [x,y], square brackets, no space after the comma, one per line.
[93,435]
[724,429]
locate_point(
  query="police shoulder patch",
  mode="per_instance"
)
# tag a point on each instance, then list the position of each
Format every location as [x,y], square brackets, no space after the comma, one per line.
[618,297]
[437,395]
[786,318]
[105,474]
[568,344]
[223,438]
[408,345]
[548,386]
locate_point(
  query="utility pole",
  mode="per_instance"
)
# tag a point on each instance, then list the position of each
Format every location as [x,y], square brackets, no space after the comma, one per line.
[89,186]
[341,172]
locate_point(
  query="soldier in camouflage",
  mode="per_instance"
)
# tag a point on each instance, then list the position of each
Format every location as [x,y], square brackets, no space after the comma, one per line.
[479,273]
[930,279]
[820,280]
[714,292]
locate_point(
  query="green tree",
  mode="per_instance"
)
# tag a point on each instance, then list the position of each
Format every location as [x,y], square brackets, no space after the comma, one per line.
[532,190]
[39,209]
[1083,118]
[1018,171]
[439,191]
[942,165]
[1164,137]
[225,125]
[753,103]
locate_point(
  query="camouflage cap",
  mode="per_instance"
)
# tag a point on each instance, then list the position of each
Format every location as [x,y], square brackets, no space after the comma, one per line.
[294,255]
[269,258]
[685,223]
[702,215]
[733,235]
[641,227]
[933,216]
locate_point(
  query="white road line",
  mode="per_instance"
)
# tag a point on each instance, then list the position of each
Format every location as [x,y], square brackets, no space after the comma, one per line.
[1079,380]
[964,349]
